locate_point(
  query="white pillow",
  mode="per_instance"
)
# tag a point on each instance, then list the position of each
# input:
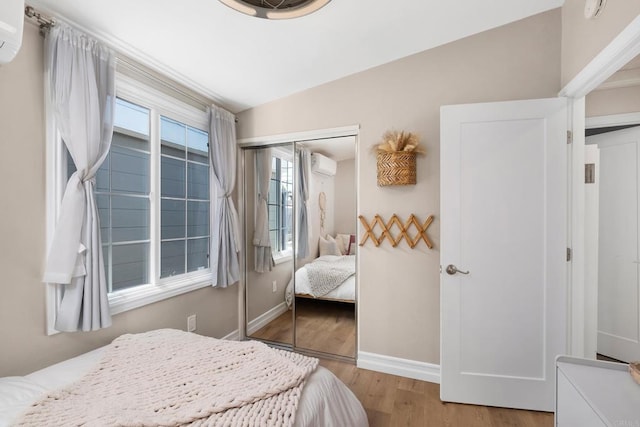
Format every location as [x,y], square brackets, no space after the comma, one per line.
[328,246]
[16,395]
[343,243]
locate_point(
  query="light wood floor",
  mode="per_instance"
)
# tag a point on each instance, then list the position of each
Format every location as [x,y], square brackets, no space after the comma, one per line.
[396,401]
[390,401]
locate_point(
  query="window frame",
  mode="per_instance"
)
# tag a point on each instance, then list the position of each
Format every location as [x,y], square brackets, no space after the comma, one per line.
[159,104]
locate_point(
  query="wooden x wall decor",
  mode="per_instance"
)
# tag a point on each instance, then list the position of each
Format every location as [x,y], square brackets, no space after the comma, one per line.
[404,230]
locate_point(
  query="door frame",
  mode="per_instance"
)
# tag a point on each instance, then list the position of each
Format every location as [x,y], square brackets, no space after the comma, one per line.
[592,280]
[621,50]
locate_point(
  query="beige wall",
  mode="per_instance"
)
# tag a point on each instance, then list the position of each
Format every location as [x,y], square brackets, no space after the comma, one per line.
[399,288]
[613,101]
[583,39]
[345,204]
[24,346]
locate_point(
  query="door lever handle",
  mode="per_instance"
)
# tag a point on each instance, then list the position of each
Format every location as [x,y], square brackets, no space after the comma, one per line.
[452,269]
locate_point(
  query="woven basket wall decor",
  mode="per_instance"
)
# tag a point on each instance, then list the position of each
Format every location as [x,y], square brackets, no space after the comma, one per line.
[396,168]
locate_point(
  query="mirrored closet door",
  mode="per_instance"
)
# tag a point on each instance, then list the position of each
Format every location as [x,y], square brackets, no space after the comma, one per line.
[300,290]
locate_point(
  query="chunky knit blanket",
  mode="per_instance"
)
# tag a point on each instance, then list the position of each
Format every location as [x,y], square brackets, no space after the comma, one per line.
[328,272]
[172,378]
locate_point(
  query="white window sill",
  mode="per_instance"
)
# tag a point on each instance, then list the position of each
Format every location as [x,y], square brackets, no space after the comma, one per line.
[129,299]
[136,297]
[282,257]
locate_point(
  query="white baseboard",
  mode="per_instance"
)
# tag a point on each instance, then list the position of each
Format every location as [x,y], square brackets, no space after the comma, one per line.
[266,317]
[402,367]
[233,336]
[258,322]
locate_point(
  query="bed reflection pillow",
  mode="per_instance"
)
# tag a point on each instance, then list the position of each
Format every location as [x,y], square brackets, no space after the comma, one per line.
[328,246]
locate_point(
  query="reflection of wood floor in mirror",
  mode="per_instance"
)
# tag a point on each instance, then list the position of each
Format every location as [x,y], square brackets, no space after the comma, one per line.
[279,329]
[396,401]
[324,326]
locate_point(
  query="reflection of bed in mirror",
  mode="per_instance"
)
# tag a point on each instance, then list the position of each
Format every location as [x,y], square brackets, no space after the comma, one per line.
[328,271]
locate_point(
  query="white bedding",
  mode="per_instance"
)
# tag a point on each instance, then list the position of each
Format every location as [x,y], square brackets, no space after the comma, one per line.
[344,292]
[325,400]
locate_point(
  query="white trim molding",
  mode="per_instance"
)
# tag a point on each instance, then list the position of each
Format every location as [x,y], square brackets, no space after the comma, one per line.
[301,136]
[232,336]
[142,295]
[402,367]
[616,54]
[266,317]
[621,50]
[612,120]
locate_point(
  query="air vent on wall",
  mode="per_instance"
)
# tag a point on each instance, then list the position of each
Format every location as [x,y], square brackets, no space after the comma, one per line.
[323,164]
[11,24]
[593,8]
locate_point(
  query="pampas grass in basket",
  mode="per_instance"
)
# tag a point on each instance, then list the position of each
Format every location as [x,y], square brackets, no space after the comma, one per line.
[396,158]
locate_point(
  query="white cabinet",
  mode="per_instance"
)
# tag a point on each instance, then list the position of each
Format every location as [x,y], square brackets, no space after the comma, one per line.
[595,393]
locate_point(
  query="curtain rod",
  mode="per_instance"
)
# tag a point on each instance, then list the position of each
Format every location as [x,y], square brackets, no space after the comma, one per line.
[132,65]
[194,96]
[46,22]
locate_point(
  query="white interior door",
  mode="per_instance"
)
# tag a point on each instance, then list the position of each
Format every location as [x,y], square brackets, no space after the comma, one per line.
[504,220]
[618,247]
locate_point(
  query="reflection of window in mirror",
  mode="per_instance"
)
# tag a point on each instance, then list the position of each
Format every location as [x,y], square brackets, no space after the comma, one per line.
[280,204]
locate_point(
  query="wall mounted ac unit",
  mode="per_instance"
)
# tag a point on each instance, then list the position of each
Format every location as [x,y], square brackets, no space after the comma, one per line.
[11,24]
[323,164]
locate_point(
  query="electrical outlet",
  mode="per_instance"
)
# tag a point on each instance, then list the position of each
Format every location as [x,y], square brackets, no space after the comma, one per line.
[191,323]
[274,286]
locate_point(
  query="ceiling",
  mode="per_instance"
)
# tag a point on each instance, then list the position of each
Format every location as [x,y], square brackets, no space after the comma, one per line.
[240,61]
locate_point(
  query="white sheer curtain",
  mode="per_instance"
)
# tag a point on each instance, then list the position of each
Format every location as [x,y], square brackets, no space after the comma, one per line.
[224,217]
[82,81]
[302,195]
[261,240]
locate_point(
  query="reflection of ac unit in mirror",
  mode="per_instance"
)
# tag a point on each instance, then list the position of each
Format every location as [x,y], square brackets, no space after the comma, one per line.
[11,23]
[323,164]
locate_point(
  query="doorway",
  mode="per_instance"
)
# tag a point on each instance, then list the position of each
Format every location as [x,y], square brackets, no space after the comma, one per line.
[613,242]
[582,331]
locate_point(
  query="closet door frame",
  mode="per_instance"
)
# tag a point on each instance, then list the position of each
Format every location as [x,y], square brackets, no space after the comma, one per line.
[277,139]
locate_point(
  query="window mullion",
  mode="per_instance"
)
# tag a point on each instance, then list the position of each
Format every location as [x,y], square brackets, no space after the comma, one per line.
[110,230]
[154,196]
[186,197]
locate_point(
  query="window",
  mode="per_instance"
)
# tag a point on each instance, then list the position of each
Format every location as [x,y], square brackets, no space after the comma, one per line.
[184,201]
[152,193]
[280,204]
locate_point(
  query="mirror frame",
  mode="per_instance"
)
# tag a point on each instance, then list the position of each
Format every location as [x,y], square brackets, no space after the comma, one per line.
[273,140]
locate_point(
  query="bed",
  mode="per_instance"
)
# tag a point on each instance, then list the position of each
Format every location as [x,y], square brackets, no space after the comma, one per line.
[344,290]
[323,400]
